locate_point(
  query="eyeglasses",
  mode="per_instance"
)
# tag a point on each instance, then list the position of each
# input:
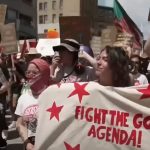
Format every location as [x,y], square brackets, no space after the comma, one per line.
[33,73]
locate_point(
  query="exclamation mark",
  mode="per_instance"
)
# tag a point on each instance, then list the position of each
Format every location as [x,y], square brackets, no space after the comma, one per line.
[139,139]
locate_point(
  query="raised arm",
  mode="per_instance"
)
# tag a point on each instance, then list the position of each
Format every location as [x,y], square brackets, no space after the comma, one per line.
[147,47]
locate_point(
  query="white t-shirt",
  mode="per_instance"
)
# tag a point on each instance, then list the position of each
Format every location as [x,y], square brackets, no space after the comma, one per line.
[27,107]
[140,79]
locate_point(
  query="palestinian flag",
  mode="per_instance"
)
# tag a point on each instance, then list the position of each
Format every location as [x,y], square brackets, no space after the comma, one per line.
[125,24]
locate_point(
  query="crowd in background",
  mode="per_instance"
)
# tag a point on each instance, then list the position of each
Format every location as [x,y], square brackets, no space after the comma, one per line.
[72,62]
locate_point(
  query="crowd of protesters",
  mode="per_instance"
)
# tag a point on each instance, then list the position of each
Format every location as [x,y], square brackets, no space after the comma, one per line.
[21,85]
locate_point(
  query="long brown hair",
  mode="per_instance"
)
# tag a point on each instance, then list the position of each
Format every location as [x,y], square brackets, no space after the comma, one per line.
[119,64]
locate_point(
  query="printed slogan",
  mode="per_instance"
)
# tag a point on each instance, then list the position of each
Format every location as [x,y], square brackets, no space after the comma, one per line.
[86,116]
[115,120]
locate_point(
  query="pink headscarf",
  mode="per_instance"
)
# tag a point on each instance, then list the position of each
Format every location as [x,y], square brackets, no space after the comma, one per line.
[39,83]
[43,66]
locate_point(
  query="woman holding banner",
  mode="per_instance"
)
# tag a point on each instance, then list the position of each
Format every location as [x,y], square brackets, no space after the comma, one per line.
[38,76]
[111,66]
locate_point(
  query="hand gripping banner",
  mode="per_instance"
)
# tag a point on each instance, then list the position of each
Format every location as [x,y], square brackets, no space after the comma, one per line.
[88,116]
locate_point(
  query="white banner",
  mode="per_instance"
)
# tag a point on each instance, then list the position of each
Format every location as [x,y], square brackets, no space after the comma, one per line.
[88,116]
[45,46]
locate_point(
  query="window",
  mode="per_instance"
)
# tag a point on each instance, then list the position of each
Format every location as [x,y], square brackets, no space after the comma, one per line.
[25,20]
[40,19]
[45,6]
[40,6]
[45,18]
[60,15]
[28,2]
[11,14]
[105,3]
[53,5]
[54,18]
[61,4]
[45,30]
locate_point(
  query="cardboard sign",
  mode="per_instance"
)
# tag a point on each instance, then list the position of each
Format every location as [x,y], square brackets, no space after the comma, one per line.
[2,14]
[88,116]
[8,38]
[75,27]
[45,46]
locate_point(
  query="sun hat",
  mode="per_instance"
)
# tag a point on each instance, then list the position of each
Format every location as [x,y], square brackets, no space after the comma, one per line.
[68,44]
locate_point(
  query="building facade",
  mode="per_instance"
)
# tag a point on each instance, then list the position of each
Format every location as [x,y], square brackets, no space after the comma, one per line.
[100,20]
[48,11]
[24,14]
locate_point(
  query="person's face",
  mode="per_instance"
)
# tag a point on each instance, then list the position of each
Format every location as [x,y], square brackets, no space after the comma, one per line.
[35,80]
[103,70]
[32,72]
[135,62]
[66,57]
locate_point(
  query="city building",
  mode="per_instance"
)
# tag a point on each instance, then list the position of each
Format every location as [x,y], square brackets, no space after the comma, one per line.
[99,16]
[49,11]
[24,14]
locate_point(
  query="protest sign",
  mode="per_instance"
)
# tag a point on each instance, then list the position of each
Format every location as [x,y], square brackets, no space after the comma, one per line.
[86,116]
[75,27]
[8,38]
[2,13]
[45,46]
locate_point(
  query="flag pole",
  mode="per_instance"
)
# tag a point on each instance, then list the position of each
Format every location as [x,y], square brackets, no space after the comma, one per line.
[13,66]
[142,40]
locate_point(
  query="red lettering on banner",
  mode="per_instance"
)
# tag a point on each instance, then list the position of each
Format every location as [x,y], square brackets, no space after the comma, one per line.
[101,135]
[92,131]
[82,112]
[113,114]
[99,116]
[108,134]
[146,122]
[121,119]
[77,111]
[123,137]
[104,112]
[89,117]
[140,121]
[132,138]
[139,139]
[113,118]
[137,120]
[117,136]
